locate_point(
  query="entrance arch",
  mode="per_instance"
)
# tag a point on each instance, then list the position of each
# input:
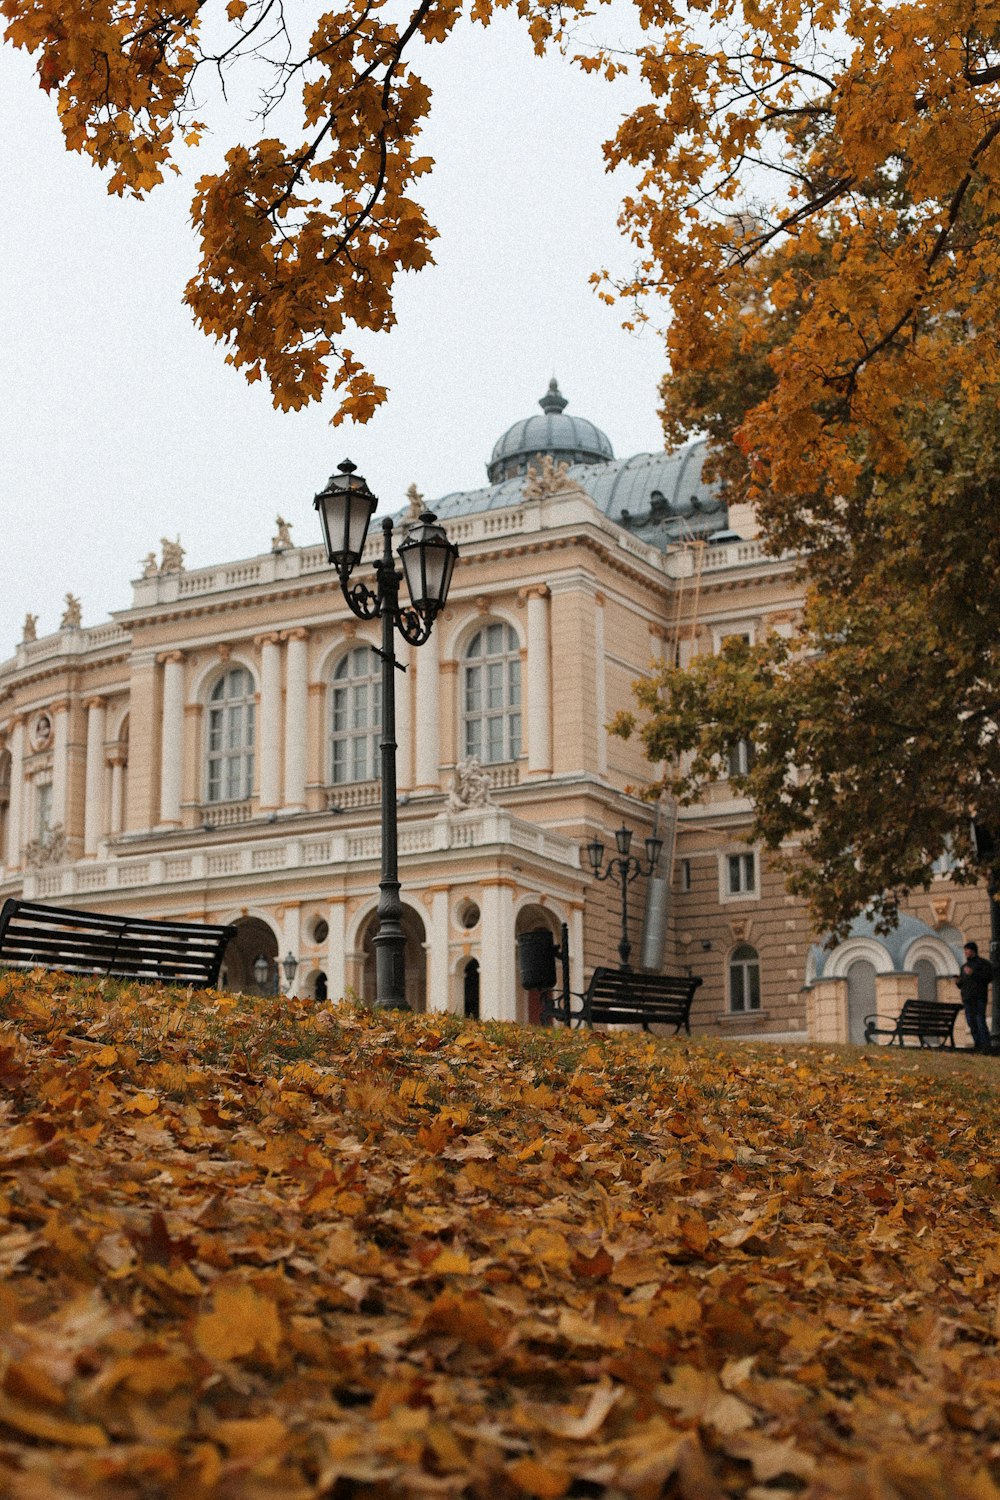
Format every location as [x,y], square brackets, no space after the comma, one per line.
[860,998]
[529,1002]
[470,990]
[414,959]
[253,939]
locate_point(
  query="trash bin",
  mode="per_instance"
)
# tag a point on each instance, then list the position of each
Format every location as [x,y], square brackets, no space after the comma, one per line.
[536,956]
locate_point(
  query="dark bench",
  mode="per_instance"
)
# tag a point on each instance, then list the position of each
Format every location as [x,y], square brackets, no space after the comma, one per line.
[619,997]
[930,1021]
[33,936]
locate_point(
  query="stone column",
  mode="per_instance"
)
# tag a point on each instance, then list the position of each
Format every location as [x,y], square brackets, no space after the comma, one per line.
[497,988]
[172,738]
[404,717]
[336,957]
[538,687]
[296,718]
[269,726]
[438,966]
[15,831]
[60,761]
[428,749]
[600,686]
[117,763]
[94,808]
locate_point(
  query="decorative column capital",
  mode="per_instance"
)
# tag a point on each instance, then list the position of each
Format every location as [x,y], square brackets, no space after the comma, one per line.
[117,755]
[269,638]
[163,657]
[59,706]
[95,702]
[193,710]
[16,721]
[534,591]
[600,598]
[297,633]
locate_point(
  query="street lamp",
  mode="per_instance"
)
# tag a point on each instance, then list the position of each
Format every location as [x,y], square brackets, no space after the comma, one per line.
[261,970]
[622,871]
[345,508]
[289,964]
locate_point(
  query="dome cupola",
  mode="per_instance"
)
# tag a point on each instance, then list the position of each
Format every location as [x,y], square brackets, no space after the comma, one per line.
[571,440]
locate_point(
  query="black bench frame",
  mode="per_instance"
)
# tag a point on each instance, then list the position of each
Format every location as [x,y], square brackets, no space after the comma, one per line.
[620,997]
[932,1022]
[34,936]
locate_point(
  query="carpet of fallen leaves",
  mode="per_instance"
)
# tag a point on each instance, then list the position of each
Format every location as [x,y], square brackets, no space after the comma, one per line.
[255,1249]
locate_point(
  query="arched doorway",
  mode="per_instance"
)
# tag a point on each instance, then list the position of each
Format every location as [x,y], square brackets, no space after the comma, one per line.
[414,960]
[529,1002]
[470,990]
[860,998]
[253,939]
[926,979]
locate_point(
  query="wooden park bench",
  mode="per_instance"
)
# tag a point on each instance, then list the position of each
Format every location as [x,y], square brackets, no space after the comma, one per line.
[33,936]
[619,997]
[930,1021]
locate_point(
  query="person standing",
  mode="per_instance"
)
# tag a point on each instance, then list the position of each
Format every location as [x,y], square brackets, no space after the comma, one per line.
[974,986]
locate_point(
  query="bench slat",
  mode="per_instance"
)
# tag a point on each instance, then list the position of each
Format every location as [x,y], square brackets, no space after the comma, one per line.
[33,935]
[918,1018]
[621,997]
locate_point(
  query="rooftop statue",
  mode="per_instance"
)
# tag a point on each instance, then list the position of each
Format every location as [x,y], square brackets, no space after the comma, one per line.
[30,631]
[415,505]
[72,615]
[282,540]
[173,556]
[549,479]
[149,565]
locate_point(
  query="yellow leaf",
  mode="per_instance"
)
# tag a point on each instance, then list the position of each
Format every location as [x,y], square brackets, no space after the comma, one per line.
[240,1322]
[251,1437]
[51,1429]
[547,1481]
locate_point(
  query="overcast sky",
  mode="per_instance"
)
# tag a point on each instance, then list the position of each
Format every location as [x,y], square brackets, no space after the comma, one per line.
[122,423]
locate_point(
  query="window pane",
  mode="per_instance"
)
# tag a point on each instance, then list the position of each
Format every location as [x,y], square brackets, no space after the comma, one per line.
[749,882]
[515,736]
[753,985]
[736,992]
[734,874]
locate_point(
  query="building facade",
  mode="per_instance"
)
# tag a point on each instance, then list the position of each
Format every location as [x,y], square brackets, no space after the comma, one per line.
[211,753]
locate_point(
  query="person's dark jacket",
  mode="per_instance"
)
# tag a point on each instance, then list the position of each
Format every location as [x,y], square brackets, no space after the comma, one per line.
[974,985]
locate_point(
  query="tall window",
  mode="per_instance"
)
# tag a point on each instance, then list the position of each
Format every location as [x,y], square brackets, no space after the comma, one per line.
[739,758]
[491,695]
[356,717]
[744,979]
[741,874]
[231,732]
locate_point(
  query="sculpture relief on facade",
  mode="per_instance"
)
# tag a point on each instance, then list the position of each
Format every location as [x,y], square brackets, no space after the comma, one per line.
[282,539]
[470,786]
[50,850]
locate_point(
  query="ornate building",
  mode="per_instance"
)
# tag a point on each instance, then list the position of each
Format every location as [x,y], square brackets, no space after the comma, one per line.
[211,753]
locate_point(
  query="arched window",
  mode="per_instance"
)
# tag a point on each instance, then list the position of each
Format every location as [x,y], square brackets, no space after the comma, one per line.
[231,732]
[491,695]
[356,717]
[744,979]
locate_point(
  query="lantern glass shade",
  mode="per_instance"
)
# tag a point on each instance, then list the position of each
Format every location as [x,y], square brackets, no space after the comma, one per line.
[345,508]
[595,853]
[428,560]
[261,969]
[623,838]
[289,963]
[653,847]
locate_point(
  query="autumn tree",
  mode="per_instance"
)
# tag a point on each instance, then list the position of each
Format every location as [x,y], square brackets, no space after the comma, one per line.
[302,234]
[819,203]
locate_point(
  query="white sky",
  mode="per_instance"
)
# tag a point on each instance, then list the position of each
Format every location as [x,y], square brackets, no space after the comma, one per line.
[123,424]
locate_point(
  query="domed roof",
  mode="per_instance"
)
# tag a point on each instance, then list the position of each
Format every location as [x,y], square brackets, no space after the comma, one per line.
[572,440]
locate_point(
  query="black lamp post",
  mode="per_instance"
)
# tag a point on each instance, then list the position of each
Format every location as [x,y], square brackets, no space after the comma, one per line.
[345,508]
[289,964]
[622,871]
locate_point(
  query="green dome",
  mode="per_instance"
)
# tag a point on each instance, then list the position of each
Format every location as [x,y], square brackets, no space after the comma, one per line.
[571,440]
